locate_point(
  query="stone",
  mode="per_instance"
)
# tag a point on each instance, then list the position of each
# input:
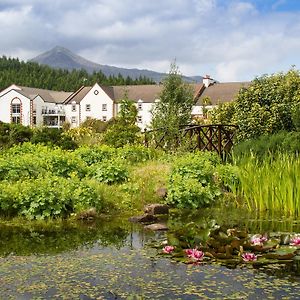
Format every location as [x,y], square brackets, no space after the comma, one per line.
[156,209]
[162,192]
[88,214]
[156,227]
[147,218]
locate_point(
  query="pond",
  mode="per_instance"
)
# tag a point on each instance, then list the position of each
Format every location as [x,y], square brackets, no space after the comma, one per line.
[115,259]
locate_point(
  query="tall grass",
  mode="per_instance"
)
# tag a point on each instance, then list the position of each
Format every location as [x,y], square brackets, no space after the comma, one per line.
[271,183]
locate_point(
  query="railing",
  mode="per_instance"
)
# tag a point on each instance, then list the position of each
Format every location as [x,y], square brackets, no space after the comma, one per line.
[52,112]
[218,138]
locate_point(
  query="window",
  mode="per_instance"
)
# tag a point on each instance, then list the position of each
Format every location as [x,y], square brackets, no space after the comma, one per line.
[96,92]
[104,118]
[73,107]
[88,107]
[139,119]
[16,108]
[16,120]
[140,106]
[73,119]
[104,107]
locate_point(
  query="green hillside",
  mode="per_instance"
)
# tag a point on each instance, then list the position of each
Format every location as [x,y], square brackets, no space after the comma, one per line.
[13,71]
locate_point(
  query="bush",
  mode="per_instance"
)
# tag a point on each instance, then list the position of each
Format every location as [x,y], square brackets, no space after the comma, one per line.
[192,183]
[54,137]
[30,161]
[46,197]
[94,155]
[269,144]
[109,172]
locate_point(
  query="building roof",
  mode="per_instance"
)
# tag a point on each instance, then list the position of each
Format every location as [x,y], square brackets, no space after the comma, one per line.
[222,92]
[78,95]
[47,95]
[147,93]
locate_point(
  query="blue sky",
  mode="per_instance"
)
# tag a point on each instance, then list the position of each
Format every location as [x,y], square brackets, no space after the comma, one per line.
[231,40]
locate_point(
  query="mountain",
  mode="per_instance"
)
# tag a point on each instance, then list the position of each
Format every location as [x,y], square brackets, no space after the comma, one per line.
[62,58]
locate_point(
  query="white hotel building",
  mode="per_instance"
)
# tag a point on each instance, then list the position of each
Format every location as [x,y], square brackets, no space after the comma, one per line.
[39,107]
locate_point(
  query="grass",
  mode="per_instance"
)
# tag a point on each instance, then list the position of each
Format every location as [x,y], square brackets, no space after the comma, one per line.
[271,184]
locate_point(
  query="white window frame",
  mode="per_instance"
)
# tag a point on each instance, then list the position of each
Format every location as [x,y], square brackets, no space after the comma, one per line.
[88,107]
[139,119]
[104,118]
[73,107]
[104,107]
[73,119]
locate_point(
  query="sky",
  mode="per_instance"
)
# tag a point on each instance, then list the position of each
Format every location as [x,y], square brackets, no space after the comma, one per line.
[230,40]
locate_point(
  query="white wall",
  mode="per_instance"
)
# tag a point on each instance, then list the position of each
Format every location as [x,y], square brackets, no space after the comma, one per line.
[72,114]
[96,101]
[5,103]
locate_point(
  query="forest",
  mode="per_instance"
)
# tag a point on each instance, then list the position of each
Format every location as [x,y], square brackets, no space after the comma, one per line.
[13,71]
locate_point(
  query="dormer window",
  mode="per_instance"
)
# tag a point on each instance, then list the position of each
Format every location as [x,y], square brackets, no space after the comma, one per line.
[88,107]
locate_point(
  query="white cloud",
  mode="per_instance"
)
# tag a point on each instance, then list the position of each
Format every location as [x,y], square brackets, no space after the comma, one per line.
[230,40]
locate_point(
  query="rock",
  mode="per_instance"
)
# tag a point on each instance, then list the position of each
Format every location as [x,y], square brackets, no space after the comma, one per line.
[88,214]
[156,209]
[156,227]
[162,192]
[147,218]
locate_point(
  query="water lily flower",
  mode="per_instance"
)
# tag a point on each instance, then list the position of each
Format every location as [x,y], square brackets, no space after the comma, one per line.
[249,256]
[258,240]
[194,254]
[295,241]
[168,249]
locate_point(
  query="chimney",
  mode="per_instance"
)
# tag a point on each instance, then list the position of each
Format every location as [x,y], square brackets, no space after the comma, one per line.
[207,81]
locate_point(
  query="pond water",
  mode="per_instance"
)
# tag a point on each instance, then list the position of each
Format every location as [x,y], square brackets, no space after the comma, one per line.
[115,259]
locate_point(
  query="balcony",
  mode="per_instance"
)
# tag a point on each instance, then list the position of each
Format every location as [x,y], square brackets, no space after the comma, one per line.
[53,112]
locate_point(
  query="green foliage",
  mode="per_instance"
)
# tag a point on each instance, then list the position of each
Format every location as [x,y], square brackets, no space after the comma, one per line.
[11,134]
[109,172]
[123,130]
[194,181]
[38,76]
[271,183]
[269,144]
[30,161]
[95,125]
[46,197]
[96,154]
[54,137]
[174,108]
[137,153]
[270,104]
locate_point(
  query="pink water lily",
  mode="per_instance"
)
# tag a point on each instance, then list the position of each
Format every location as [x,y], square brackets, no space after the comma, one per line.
[249,256]
[168,249]
[194,254]
[258,240]
[295,241]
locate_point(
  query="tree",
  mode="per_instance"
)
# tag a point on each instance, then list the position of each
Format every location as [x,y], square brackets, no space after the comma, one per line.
[173,109]
[270,104]
[123,130]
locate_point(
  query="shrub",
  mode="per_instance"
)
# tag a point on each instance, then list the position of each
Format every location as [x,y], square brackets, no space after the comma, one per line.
[192,181]
[94,155]
[137,153]
[269,144]
[109,172]
[47,197]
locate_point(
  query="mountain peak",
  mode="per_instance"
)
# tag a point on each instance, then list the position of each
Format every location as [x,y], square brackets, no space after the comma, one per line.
[62,58]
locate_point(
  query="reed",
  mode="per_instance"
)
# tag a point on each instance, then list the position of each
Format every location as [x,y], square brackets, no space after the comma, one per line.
[270,184]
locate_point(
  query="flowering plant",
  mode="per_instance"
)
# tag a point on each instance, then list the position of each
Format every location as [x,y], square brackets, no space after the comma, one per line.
[295,241]
[249,256]
[194,254]
[168,249]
